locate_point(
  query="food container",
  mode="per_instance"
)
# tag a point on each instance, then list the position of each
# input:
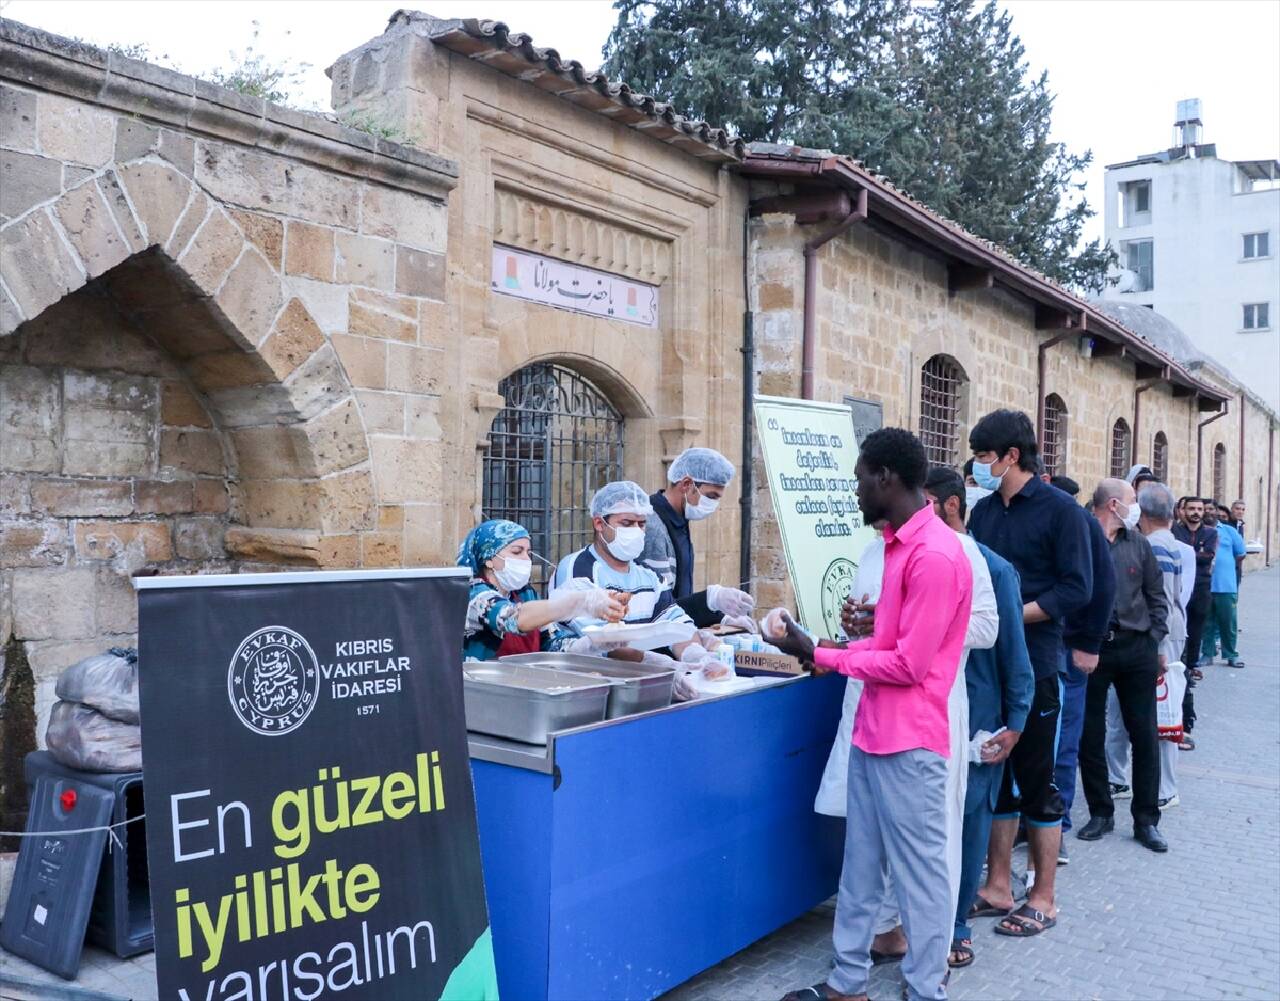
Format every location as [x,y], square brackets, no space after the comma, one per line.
[527,703]
[636,687]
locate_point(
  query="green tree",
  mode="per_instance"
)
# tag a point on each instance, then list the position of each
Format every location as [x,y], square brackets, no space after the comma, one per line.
[939,99]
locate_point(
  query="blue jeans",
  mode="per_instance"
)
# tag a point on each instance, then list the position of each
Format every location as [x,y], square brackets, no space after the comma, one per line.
[1074,684]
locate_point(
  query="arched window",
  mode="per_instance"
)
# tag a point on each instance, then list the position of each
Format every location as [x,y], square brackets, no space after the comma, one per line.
[1220,473]
[941,382]
[1160,457]
[1121,447]
[556,442]
[1054,446]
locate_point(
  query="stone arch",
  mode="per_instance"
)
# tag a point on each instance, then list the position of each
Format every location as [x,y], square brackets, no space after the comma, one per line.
[179,265]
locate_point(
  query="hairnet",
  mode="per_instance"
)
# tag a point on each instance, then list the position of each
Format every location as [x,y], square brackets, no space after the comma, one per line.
[620,497]
[486,540]
[705,465]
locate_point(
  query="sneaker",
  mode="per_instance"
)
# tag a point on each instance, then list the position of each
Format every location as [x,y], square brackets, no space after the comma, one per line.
[1235,663]
[1170,803]
[1063,859]
[1121,792]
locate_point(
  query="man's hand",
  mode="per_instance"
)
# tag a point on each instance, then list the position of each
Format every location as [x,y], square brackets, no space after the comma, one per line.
[858,617]
[1164,666]
[795,642]
[999,747]
[1085,662]
[1032,612]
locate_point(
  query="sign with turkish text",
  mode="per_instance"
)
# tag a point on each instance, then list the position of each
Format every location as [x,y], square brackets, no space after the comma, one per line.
[311,826]
[572,287]
[810,450]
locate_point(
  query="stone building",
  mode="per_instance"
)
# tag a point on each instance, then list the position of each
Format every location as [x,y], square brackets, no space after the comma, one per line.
[235,336]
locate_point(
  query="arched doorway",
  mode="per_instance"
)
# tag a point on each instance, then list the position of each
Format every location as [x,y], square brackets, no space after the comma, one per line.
[556,441]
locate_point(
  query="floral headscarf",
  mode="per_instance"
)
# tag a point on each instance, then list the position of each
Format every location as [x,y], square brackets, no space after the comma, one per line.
[486,540]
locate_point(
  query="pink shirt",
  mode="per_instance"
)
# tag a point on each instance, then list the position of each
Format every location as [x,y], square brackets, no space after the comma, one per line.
[909,664]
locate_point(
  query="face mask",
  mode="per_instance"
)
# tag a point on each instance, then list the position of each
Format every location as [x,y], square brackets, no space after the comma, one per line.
[514,574]
[705,507]
[1131,516]
[627,544]
[982,476]
[974,494]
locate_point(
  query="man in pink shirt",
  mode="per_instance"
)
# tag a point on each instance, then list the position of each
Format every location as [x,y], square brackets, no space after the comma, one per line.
[898,765]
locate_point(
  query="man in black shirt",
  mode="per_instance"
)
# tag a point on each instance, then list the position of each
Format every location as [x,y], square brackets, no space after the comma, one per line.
[1204,541]
[1131,661]
[1045,535]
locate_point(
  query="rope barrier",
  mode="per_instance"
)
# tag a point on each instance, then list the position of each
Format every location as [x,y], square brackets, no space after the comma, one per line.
[109,828]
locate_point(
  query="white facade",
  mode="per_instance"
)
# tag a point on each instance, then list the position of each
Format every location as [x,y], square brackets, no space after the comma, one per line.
[1198,242]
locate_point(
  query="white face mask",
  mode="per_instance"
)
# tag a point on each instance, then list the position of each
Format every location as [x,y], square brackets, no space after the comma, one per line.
[1131,516]
[974,494]
[627,544]
[705,507]
[514,575]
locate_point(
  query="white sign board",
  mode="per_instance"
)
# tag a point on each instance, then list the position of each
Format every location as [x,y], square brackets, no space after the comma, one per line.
[572,287]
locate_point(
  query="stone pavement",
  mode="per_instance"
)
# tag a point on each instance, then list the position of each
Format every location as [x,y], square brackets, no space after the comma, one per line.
[1200,922]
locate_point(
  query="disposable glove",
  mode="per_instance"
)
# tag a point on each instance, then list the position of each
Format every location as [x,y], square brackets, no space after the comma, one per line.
[741,622]
[729,600]
[774,625]
[695,655]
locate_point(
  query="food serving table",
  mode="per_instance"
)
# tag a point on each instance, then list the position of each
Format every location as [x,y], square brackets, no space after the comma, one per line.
[626,856]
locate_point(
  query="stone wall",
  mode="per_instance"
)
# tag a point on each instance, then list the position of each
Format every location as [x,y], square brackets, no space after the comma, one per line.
[884,309]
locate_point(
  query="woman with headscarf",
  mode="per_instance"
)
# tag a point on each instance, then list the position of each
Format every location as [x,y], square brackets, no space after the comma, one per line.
[504,614]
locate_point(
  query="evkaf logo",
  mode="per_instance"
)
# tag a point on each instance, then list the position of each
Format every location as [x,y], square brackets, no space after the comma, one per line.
[273,681]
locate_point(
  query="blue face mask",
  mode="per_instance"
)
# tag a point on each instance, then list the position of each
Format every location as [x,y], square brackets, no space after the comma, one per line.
[982,475]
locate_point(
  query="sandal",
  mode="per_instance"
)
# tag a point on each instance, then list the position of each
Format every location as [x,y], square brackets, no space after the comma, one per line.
[963,948]
[983,908]
[1025,922]
[1186,744]
[821,992]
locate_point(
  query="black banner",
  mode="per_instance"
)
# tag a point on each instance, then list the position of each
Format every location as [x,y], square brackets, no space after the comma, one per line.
[311,826]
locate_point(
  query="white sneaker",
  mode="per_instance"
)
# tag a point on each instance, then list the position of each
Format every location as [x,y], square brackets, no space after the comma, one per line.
[1170,803]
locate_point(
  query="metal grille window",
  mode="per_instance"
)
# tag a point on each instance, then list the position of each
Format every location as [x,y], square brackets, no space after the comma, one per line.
[1220,473]
[557,441]
[1160,457]
[941,380]
[1121,447]
[1054,446]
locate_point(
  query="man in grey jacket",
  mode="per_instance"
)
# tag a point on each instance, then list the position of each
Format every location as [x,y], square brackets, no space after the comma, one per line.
[696,483]
[1130,660]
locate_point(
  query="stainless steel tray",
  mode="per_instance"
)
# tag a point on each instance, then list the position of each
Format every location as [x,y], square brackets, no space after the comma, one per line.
[636,689]
[527,703]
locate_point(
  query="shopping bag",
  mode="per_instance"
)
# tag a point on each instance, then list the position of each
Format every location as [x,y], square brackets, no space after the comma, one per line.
[1170,687]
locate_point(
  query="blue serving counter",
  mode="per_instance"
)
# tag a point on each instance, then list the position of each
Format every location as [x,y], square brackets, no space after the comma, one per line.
[628,856]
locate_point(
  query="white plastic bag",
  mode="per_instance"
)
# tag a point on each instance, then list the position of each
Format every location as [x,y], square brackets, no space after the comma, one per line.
[81,737]
[1170,688]
[106,681]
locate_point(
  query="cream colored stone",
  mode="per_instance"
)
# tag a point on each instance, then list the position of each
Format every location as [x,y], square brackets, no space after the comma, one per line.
[415,370]
[186,451]
[396,320]
[318,384]
[53,604]
[42,543]
[210,496]
[282,503]
[199,538]
[188,223]
[383,412]
[251,296]
[309,251]
[348,502]
[407,471]
[26,181]
[294,338]
[30,419]
[365,261]
[73,131]
[403,217]
[81,498]
[162,497]
[264,232]
[115,603]
[105,540]
[364,358]
[381,549]
[213,250]
[37,267]
[159,194]
[264,453]
[337,438]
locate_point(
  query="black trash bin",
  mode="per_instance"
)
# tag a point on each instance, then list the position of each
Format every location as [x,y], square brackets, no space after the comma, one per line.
[70,885]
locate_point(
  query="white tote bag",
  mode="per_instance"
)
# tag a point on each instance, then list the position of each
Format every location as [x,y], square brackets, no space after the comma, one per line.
[1170,688]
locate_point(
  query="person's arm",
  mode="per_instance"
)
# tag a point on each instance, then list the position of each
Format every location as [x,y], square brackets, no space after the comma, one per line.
[984,616]
[931,583]
[1239,551]
[1017,677]
[1086,628]
[1071,556]
[1188,557]
[1153,592]
[696,607]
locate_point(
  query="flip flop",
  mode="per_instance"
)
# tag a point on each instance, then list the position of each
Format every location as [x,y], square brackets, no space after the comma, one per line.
[983,908]
[879,958]
[818,992]
[964,948]
[1186,744]
[1025,922]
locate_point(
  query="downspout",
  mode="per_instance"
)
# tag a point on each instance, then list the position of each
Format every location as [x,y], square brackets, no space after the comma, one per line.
[1040,386]
[1226,406]
[1138,390]
[808,345]
[1241,494]
[1271,456]
[747,498]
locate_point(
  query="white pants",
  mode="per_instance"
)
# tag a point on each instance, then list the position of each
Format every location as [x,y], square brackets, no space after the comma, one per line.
[1118,752]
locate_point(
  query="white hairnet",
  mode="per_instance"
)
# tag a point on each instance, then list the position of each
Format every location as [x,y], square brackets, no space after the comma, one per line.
[705,465]
[621,497]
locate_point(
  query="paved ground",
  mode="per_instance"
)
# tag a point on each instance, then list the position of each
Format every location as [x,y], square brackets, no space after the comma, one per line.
[1133,925]
[1201,922]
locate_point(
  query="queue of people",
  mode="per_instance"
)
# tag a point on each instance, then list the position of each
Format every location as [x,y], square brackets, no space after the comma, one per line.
[1095,614]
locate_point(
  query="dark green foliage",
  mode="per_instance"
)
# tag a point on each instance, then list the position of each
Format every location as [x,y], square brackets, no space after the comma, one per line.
[939,99]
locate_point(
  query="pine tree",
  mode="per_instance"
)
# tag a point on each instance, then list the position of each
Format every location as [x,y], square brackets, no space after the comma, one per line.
[938,99]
